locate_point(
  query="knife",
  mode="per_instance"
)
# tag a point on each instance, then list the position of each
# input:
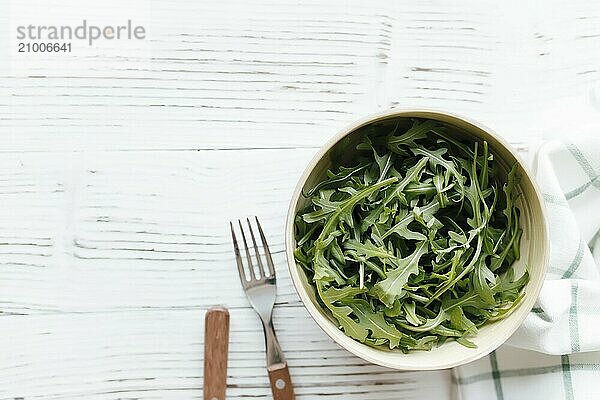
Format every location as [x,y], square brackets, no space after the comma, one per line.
[216,343]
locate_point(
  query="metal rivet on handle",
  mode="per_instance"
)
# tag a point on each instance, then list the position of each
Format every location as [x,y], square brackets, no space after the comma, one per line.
[279,383]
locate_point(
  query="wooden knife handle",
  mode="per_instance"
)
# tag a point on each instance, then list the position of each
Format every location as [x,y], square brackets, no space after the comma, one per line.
[281,383]
[216,343]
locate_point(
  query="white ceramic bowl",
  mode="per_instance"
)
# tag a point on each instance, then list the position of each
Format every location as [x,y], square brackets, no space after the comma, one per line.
[534,251]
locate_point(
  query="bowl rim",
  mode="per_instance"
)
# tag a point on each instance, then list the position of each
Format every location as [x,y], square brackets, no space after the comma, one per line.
[316,314]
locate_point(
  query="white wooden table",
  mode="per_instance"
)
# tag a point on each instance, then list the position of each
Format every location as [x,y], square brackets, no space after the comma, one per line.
[122,162]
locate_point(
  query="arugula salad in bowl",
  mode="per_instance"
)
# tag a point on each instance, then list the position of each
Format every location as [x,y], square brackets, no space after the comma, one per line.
[409,235]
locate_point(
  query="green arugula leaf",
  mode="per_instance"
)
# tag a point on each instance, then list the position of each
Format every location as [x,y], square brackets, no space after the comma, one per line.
[368,249]
[333,294]
[342,315]
[481,275]
[419,130]
[375,323]
[436,158]
[322,269]
[428,325]
[391,288]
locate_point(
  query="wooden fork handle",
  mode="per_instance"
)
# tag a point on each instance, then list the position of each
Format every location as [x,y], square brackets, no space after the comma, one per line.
[281,383]
[216,343]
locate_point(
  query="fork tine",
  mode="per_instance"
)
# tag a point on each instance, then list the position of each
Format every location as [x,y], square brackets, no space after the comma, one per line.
[250,266]
[238,257]
[261,268]
[266,247]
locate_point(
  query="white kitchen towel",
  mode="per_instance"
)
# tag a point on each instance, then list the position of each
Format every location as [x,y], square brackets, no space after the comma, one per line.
[556,353]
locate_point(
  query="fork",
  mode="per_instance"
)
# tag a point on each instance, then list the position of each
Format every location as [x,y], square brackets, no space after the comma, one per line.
[261,291]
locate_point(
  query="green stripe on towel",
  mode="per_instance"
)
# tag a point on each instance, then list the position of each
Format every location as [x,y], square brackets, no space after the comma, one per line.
[567,380]
[496,376]
[576,261]
[587,168]
[573,319]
